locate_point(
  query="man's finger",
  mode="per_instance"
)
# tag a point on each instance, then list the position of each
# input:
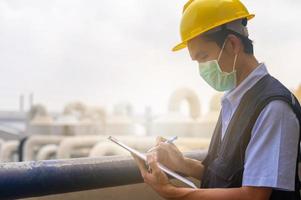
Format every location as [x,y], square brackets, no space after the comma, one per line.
[166,146]
[153,149]
[160,139]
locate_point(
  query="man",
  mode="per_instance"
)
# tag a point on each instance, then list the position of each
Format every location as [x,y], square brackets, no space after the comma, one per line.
[253,154]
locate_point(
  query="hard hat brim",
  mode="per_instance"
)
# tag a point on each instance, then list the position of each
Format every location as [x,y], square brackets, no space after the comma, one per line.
[183,44]
[180,46]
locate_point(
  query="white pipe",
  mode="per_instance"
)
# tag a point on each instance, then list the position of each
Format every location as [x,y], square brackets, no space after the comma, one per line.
[69,145]
[106,149]
[8,149]
[142,144]
[47,151]
[33,143]
[184,94]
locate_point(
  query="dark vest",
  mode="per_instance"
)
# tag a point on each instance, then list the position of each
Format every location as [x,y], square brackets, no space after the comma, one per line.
[224,164]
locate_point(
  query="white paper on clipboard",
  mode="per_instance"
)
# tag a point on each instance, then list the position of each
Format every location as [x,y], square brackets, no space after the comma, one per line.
[162,167]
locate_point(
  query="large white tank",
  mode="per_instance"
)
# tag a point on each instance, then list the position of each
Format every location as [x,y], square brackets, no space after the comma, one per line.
[205,125]
[175,122]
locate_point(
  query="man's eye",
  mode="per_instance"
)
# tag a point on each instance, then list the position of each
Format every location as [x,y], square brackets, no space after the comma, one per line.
[204,57]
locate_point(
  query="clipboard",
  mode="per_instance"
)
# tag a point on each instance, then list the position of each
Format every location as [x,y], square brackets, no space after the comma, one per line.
[162,167]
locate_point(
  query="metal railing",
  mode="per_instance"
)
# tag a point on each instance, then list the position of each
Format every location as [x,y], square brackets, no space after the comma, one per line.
[40,178]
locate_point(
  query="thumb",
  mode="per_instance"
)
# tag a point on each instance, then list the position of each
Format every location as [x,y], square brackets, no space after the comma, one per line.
[160,139]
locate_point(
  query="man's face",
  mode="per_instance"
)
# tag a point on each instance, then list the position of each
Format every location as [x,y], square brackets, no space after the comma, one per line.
[202,50]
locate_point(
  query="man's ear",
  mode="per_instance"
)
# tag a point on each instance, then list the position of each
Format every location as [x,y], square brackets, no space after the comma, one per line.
[234,44]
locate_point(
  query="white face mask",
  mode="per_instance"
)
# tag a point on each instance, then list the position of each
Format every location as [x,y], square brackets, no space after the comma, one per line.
[215,77]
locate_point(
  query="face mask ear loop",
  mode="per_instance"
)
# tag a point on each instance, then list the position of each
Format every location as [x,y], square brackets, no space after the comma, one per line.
[220,53]
[234,64]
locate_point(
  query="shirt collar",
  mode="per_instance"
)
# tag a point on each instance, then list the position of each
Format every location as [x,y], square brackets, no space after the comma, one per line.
[234,96]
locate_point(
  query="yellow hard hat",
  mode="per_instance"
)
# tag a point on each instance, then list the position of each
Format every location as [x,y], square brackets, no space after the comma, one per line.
[200,16]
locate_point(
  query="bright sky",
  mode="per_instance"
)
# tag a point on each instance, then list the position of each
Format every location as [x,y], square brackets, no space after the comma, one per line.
[103,52]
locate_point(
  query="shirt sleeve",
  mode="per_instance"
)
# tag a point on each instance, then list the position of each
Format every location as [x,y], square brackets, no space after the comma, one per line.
[270,158]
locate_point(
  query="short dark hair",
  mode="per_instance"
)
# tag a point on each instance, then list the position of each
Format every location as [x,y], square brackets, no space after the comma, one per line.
[220,36]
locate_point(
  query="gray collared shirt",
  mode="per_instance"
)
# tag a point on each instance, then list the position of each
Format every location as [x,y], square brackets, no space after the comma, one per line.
[272,151]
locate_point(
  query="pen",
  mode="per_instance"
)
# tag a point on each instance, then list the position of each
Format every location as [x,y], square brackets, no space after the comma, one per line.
[167,141]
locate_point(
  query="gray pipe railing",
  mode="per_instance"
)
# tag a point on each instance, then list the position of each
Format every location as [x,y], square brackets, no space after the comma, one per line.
[40,178]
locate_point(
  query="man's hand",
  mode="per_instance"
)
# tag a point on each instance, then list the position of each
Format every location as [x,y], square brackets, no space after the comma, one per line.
[158,180]
[154,176]
[169,155]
